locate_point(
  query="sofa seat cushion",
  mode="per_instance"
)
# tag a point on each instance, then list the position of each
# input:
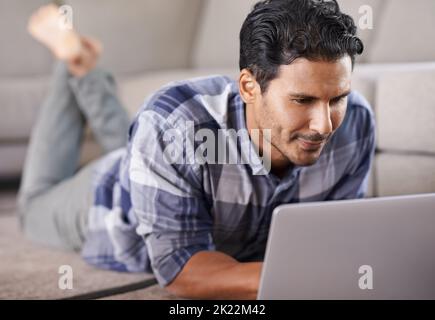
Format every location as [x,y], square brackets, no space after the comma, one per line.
[20,100]
[134,90]
[13,156]
[399,174]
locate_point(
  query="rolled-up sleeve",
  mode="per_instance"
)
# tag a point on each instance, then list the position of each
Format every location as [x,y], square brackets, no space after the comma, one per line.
[174,217]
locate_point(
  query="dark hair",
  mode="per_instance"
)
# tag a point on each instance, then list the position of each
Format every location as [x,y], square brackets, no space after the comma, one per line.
[277,32]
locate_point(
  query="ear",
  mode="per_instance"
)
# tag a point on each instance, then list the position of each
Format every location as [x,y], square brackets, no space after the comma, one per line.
[248,86]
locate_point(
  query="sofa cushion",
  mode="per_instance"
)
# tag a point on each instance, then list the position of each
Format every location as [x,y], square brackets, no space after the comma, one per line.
[23,97]
[135,40]
[364,85]
[403,33]
[139,35]
[20,100]
[352,8]
[371,190]
[405,111]
[366,76]
[398,174]
[20,55]
[13,155]
[217,40]
[134,90]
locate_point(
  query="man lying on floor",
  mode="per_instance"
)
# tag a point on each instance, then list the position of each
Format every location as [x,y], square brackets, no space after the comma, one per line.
[157,201]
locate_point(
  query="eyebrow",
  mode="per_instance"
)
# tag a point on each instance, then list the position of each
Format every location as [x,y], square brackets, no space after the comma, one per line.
[307,96]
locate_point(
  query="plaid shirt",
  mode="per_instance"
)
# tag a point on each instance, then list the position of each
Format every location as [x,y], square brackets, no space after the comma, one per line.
[153,216]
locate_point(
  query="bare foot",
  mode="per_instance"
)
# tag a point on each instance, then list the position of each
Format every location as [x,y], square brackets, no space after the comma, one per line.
[44,25]
[87,58]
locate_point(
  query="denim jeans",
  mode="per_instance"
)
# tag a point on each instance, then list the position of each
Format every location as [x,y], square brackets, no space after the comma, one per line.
[55,195]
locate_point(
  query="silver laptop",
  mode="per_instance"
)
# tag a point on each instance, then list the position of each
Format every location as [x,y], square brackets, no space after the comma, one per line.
[381,248]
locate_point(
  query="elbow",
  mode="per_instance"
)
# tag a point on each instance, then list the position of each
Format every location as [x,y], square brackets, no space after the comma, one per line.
[185,288]
[173,289]
[179,290]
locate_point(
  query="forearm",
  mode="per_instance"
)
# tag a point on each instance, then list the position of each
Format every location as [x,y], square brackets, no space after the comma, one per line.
[214,275]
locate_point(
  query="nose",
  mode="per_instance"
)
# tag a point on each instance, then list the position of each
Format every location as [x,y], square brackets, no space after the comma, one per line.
[321,120]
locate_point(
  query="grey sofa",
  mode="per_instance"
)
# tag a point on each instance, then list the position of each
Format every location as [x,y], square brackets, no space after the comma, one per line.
[151,42]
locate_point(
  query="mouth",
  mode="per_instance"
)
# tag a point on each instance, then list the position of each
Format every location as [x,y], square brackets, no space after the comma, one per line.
[310,145]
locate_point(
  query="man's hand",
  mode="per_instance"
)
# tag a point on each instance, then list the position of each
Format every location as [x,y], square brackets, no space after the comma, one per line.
[215,275]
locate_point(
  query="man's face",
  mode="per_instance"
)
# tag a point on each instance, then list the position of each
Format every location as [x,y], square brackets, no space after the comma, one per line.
[303,107]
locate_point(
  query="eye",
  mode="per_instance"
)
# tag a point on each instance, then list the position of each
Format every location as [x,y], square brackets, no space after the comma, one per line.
[303,101]
[337,100]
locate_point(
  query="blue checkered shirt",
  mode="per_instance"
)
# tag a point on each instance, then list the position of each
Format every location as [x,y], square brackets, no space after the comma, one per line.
[151,215]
